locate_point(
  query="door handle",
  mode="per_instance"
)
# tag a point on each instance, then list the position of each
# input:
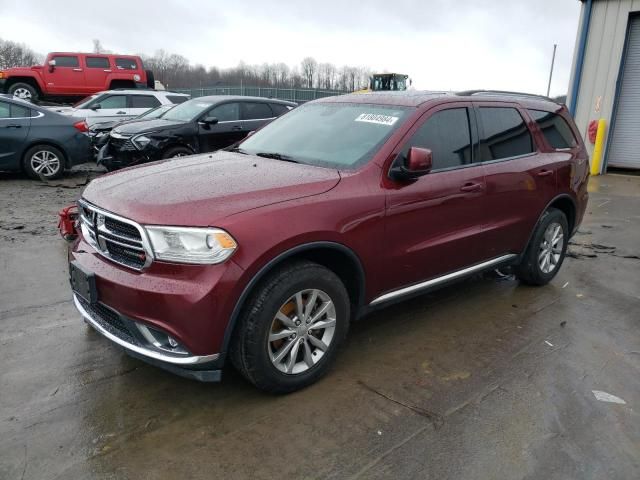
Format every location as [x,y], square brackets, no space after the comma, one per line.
[236,128]
[121,113]
[77,69]
[13,125]
[471,187]
[545,173]
[108,71]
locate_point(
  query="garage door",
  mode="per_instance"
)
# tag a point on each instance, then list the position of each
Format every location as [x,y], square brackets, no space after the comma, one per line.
[624,150]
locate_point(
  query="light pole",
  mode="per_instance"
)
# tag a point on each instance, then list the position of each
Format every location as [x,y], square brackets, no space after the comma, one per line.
[553,59]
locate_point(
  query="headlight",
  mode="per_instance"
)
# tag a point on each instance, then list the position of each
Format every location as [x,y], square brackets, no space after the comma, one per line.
[141,141]
[191,245]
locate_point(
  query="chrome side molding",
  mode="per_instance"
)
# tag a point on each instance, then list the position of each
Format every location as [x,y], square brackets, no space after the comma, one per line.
[444,278]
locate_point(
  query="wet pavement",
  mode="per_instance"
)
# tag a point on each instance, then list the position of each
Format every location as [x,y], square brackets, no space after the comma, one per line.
[485,379]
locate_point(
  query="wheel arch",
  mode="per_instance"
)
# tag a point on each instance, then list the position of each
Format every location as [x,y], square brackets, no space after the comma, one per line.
[337,257]
[33,81]
[563,202]
[176,144]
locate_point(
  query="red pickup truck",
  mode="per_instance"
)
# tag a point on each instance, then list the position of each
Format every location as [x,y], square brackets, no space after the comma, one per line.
[70,76]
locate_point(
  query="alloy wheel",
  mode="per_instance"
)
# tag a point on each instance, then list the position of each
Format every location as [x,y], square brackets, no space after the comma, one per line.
[301,331]
[22,93]
[45,163]
[551,248]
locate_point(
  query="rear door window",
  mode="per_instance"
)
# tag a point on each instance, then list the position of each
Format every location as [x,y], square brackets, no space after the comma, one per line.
[66,61]
[227,112]
[256,111]
[555,129]
[126,64]
[503,134]
[5,110]
[97,62]
[18,111]
[144,101]
[447,134]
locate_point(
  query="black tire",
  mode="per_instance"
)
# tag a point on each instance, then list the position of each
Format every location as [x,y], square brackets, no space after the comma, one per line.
[19,87]
[151,81]
[30,162]
[529,271]
[173,152]
[250,348]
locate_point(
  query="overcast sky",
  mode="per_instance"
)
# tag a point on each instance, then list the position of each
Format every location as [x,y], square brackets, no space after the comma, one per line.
[441,44]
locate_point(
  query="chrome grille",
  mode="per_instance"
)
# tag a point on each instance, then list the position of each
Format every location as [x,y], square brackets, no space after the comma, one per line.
[116,238]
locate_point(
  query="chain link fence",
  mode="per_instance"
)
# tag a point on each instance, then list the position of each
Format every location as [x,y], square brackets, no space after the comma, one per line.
[298,95]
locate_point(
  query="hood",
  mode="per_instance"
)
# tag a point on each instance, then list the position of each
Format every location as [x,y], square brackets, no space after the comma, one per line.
[202,189]
[144,126]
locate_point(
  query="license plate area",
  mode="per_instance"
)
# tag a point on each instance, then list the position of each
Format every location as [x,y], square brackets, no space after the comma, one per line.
[83,283]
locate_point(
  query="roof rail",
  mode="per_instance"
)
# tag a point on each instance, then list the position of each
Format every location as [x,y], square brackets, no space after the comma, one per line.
[468,93]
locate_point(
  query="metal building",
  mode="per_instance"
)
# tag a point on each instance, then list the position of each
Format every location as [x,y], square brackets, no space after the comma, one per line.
[605,78]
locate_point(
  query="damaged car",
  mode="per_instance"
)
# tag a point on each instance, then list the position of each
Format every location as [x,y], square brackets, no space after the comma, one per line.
[200,125]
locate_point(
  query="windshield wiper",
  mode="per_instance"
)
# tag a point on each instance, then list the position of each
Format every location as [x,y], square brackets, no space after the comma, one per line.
[277,156]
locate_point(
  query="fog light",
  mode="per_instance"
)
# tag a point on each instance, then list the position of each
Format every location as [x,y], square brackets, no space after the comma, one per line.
[161,340]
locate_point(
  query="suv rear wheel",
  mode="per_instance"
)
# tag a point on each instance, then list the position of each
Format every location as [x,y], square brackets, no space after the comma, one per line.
[23,91]
[291,328]
[547,249]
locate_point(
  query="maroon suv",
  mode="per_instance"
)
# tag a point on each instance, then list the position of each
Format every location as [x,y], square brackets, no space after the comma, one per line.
[266,252]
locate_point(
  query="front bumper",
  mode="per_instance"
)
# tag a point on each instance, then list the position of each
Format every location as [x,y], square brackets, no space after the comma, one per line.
[122,331]
[114,158]
[190,303]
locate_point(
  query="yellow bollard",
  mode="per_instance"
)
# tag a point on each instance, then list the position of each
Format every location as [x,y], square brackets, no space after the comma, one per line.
[596,158]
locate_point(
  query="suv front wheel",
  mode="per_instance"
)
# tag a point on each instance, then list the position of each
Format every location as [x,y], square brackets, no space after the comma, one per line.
[291,328]
[547,249]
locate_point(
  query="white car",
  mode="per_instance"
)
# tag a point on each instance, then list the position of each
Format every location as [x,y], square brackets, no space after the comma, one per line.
[120,104]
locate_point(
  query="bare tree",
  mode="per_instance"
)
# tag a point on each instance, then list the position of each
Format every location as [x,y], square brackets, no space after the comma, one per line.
[309,67]
[13,54]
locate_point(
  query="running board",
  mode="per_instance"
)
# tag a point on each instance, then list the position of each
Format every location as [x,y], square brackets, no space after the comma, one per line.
[439,280]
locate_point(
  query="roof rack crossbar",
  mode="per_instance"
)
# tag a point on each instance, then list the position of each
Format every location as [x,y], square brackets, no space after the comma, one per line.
[468,93]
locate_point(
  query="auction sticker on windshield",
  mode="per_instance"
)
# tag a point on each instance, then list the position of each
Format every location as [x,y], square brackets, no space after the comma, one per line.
[376,118]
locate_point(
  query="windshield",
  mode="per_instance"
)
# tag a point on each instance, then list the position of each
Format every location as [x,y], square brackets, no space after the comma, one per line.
[187,111]
[335,135]
[84,101]
[156,112]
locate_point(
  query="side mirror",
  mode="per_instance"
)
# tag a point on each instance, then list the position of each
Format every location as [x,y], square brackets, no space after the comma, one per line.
[208,121]
[52,65]
[97,106]
[419,162]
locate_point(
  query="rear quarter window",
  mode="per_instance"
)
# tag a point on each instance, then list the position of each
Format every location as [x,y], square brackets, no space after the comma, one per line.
[177,99]
[279,109]
[126,64]
[504,134]
[555,129]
